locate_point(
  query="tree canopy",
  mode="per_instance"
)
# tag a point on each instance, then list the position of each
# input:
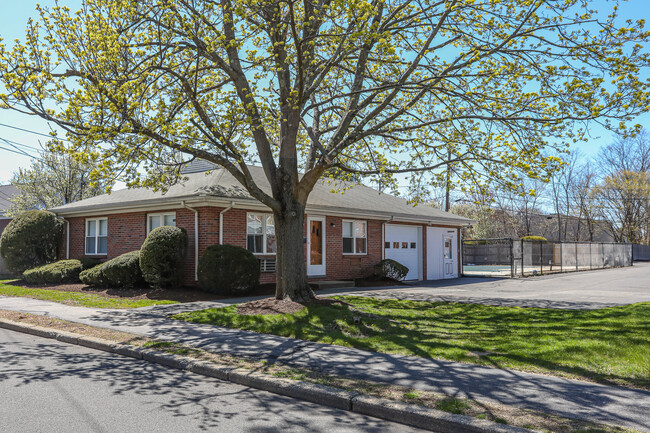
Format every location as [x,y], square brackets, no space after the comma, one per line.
[54,179]
[375,87]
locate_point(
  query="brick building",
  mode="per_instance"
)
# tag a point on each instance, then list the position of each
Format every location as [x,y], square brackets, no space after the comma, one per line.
[345,234]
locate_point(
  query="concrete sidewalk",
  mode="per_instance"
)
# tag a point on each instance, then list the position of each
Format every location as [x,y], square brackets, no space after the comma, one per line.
[569,398]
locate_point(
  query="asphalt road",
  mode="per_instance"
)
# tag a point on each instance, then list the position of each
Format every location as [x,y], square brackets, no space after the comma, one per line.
[48,386]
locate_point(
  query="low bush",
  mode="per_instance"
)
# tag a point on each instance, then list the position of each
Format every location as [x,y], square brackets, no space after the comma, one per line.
[122,271]
[390,269]
[31,239]
[229,270]
[63,271]
[162,256]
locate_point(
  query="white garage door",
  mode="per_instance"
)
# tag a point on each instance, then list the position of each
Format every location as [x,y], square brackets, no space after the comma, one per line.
[403,244]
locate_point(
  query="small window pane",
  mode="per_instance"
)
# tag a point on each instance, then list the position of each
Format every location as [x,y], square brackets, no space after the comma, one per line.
[405,244]
[90,245]
[90,228]
[170,220]
[360,229]
[254,243]
[387,245]
[396,245]
[347,229]
[103,227]
[270,226]
[347,245]
[254,225]
[271,245]
[360,245]
[154,222]
[412,244]
[102,245]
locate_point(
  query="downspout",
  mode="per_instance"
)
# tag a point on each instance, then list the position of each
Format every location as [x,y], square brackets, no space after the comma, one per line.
[196,239]
[232,205]
[67,237]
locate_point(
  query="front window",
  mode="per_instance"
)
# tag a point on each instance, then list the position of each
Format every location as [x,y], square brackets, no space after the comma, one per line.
[354,237]
[97,236]
[260,233]
[156,220]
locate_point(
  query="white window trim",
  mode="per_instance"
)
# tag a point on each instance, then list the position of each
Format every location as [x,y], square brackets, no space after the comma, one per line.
[159,214]
[96,220]
[264,215]
[354,238]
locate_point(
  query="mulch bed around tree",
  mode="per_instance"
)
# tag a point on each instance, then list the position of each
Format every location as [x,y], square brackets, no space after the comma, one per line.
[269,306]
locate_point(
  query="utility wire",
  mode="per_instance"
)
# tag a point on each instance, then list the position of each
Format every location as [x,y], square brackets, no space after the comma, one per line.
[32,132]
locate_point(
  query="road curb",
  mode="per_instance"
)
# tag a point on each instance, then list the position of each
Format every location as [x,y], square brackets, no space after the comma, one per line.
[403,413]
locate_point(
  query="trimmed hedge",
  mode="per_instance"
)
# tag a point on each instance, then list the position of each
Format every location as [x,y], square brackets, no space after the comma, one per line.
[391,269]
[122,271]
[534,238]
[162,256]
[63,271]
[31,239]
[229,270]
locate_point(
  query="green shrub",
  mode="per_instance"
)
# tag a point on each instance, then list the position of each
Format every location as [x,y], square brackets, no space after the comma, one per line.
[229,270]
[162,257]
[89,262]
[63,271]
[31,239]
[122,271]
[534,238]
[391,269]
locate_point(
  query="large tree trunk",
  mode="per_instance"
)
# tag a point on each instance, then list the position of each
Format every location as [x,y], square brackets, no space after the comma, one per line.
[291,272]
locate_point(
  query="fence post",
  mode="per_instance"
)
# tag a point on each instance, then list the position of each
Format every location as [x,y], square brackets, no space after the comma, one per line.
[512,260]
[561,257]
[576,247]
[590,257]
[541,258]
[522,258]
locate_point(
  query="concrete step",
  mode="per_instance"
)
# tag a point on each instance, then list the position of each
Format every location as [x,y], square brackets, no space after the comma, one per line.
[333,284]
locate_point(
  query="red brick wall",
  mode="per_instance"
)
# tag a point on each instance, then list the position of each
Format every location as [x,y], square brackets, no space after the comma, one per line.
[127,232]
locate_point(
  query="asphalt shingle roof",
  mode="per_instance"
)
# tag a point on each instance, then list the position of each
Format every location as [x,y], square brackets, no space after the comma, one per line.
[326,196]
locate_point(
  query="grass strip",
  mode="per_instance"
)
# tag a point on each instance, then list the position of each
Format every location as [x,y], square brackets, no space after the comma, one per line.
[610,345]
[77,299]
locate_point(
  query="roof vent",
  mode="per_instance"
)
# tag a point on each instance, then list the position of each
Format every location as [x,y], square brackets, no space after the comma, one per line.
[197,166]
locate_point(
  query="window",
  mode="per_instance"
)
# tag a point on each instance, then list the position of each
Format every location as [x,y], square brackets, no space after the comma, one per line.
[97,236]
[260,233]
[155,220]
[354,237]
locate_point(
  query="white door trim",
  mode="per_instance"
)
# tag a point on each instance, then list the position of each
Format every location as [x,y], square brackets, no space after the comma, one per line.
[317,270]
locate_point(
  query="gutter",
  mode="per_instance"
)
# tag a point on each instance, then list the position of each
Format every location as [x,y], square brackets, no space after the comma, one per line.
[232,205]
[196,239]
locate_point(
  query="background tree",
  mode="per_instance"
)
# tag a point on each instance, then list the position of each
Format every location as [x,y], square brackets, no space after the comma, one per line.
[369,86]
[54,179]
[623,193]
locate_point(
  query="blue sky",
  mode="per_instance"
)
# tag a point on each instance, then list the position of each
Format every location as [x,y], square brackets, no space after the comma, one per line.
[13,23]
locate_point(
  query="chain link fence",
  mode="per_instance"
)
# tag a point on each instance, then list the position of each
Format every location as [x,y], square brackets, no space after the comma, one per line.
[640,253]
[519,258]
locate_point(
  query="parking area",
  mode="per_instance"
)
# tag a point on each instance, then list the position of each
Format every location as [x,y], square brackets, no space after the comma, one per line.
[588,289]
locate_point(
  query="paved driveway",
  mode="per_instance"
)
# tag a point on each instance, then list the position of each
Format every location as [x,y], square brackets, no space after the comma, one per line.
[589,289]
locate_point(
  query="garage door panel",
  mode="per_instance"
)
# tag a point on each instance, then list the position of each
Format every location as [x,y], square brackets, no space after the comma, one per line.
[403,245]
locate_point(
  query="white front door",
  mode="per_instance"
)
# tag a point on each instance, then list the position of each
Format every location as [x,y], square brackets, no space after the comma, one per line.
[402,244]
[449,255]
[315,246]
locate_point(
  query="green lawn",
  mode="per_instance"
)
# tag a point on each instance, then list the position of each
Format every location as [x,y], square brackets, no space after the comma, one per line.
[610,345]
[76,298]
